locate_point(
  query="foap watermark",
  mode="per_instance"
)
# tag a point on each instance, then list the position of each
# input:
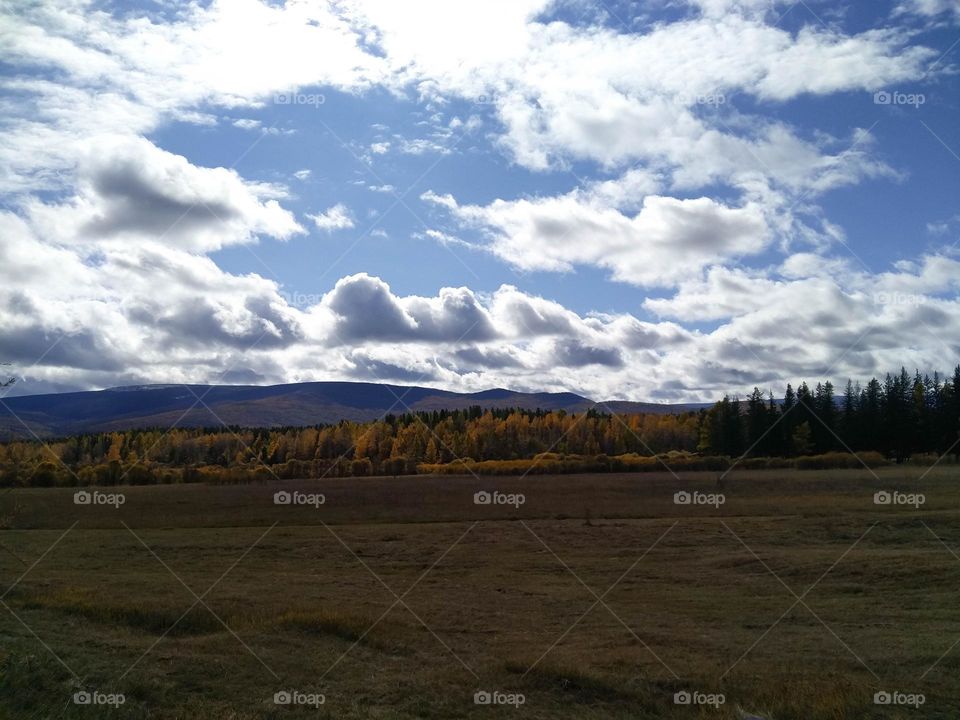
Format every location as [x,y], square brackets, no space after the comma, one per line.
[714,98]
[895,497]
[485,100]
[496,697]
[685,697]
[299,299]
[896,697]
[100,699]
[292,98]
[298,498]
[296,697]
[698,498]
[895,97]
[85,497]
[898,298]
[495,497]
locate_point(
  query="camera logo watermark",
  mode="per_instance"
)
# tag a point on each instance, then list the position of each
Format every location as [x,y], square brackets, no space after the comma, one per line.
[913,700]
[498,498]
[894,97]
[884,497]
[298,498]
[495,697]
[314,99]
[898,298]
[84,697]
[698,498]
[714,98]
[85,497]
[295,697]
[685,697]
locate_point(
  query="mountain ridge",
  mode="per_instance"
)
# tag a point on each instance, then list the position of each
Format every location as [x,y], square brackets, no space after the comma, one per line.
[308,403]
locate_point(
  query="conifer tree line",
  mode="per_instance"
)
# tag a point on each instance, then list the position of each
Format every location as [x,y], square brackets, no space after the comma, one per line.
[900,417]
[896,419]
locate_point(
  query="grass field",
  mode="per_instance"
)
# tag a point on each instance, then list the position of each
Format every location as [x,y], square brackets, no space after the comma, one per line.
[598,597]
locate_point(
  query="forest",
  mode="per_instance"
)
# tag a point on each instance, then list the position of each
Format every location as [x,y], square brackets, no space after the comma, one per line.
[900,418]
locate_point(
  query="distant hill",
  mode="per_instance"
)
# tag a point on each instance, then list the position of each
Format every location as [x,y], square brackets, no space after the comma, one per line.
[265,406]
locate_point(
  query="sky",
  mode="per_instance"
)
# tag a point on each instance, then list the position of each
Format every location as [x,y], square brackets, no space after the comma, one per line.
[667,201]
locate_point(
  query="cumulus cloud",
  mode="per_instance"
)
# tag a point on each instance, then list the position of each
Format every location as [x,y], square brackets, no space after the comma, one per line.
[104,312]
[561,91]
[129,190]
[129,73]
[574,353]
[337,217]
[823,317]
[566,93]
[693,176]
[667,240]
[146,316]
[724,293]
[366,309]
[473,358]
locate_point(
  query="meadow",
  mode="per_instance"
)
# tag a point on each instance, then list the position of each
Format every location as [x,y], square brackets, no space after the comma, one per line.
[568,596]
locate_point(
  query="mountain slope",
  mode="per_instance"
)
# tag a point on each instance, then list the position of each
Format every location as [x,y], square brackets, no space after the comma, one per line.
[262,406]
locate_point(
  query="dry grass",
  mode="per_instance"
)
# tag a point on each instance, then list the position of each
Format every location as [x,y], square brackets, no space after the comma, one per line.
[496,592]
[171,621]
[368,629]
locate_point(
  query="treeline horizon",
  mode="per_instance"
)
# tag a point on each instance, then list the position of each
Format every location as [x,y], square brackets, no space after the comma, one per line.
[899,417]
[888,421]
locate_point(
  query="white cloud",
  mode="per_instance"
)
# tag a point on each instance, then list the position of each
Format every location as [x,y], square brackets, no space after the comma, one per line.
[562,92]
[569,93]
[446,200]
[421,146]
[821,316]
[719,8]
[697,176]
[667,240]
[931,8]
[135,317]
[140,312]
[724,293]
[129,190]
[334,218]
[367,309]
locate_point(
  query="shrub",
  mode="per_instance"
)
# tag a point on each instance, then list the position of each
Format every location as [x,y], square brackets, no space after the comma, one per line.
[839,460]
[44,476]
[139,475]
[361,468]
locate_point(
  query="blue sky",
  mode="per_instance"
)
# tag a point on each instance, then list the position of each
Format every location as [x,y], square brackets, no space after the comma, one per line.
[668,202]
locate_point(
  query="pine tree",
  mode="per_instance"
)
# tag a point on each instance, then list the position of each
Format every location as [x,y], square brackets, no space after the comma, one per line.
[757,422]
[848,427]
[802,439]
